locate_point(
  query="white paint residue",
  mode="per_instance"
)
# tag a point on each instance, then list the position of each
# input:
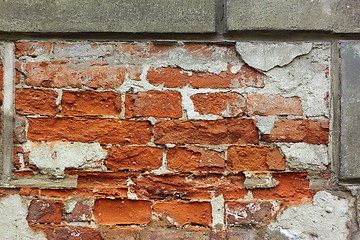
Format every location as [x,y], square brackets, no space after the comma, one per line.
[217,205]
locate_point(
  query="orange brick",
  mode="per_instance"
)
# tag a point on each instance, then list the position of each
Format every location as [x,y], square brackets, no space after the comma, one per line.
[36,101]
[90,103]
[143,50]
[254,158]
[258,104]
[45,211]
[189,186]
[165,104]
[292,187]
[179,213]
[193,158]
[225,104]
[136,158]
[74,74]
[32,49]
[175,77]
[122,211]
[226,131]
[102,130]
[299,130]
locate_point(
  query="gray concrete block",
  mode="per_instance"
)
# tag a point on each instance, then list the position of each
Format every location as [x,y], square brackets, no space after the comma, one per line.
[155,16]
[350,109]
[293,15]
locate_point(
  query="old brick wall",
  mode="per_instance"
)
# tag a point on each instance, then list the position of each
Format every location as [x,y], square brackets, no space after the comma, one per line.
[218,136]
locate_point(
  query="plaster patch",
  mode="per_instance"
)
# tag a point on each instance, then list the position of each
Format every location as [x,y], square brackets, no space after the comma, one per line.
[258,180]
[303,156]
[265,124]
[13,212]
[267,55]
[53,157]
[315,221]
[217,205]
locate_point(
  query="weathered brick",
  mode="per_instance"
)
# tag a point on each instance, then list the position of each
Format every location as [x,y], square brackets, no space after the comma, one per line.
[192,158]
[187,233]
[90,103]
[292,187]
[189,186]
[36,101]
[45,211]
[226,104]
[122,211]
[81,49]
[254,158]
[227,131]
[165,104]
[103,130]
[143,50]
[179,213]
[32,49]
[299,130]
[78,210]
[33,192]
[59,232]
[1,75]
[175,77]
[111,232]
[74,74]
[259,213]
[19,129]
[21,158]
[18,72]
[100,184]
[258,104]
[136,158]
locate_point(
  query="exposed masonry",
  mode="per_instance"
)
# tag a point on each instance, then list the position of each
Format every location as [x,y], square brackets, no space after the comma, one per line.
[151,153]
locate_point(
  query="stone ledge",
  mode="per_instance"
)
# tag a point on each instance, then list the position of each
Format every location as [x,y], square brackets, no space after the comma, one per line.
[293,15]
[153,16]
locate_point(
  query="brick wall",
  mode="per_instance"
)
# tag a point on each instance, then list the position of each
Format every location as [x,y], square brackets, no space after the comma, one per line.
[171,141]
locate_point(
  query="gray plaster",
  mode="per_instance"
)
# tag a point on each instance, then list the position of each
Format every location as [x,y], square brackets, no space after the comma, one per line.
[350,109]
[160,16]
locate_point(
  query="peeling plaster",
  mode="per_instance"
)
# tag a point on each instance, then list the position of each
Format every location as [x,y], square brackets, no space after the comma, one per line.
[13,212]
[326,218]
[53,157]
[267,55]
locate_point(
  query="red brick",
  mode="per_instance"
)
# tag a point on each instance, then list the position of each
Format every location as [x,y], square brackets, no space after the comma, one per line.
[175,77]
[189,186]
[67,232]
[193,158]
[258,104]
[78,210]
[18,72]
[36,101]
[136,158]
[45,211]
[32,49]
[187,233]
[165,104]
[19,129]
[179,213]
[225,104]
[207,50]
[33,192]
[21,159]
[102,130]
[74,74]
[227,131]
[143,50]
[101,184]
[111,232]
[299,130]
[292,187]
[90,103]
[122,211]
[254,158]
[239,213]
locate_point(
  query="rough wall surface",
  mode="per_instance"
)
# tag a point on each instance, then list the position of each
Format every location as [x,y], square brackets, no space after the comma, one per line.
[213,136]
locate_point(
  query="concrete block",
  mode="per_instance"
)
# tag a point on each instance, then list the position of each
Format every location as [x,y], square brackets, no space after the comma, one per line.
[159,16]
[350,109]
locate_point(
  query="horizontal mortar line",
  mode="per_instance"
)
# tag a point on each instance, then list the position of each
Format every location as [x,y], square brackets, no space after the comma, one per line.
[201,37]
